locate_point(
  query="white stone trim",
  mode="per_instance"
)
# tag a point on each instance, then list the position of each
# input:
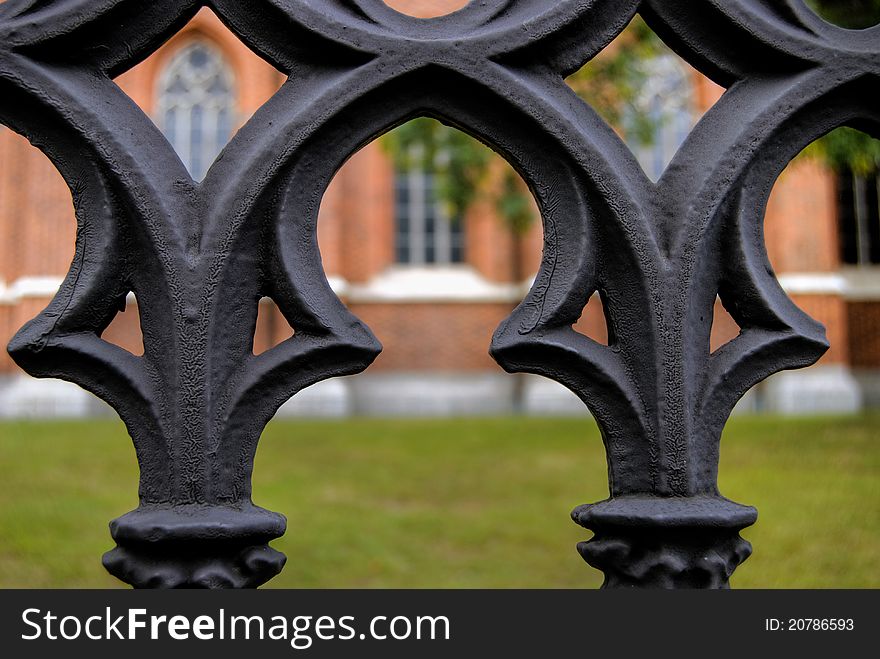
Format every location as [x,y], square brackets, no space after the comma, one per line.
[545,397]
[328,399]
[852,283]
[398,284]
[22,396]
[338,284]
[813,283]
[869,383]
[29,287]
[862,283]
[456,283]
[37,287]
[461,283]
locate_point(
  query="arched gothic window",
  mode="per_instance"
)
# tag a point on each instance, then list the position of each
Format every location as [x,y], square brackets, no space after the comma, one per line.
[196,105]
[667,102]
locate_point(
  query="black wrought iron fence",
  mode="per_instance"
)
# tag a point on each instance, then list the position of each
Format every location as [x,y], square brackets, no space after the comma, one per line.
[199,256]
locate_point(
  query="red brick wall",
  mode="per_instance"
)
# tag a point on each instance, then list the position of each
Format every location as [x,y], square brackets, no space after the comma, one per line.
[489,245]
[272,327]
[365,215]
[37,229]
[125,331]
[592,322]
[8,328]
[864,334]
[36,212]
[331,232]
[356,236]
[446,337]
[724,327]
[15,317]
[829,310]
[801,221]
[426,8]
[706,92]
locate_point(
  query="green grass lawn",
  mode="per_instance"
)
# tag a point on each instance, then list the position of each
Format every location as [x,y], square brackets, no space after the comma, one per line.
[449,503]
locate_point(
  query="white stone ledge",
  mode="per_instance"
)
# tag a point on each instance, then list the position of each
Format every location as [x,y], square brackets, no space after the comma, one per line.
[29,287]
[813,283]
[851,283]
[22,396]
[862,284]
[402,284]
[442,284]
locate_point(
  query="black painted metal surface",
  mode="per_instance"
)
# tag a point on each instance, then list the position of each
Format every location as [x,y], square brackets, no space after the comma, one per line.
[200,255]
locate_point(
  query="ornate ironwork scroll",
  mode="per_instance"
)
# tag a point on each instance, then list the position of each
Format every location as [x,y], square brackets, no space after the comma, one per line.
[199,256]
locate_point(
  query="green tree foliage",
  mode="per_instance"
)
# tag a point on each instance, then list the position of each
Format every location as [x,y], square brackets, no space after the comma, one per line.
[463,167]
[847,148]
[611,83]
[458,162]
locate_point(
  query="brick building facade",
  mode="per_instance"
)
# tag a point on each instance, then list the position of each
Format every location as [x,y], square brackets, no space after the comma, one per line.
[434,312]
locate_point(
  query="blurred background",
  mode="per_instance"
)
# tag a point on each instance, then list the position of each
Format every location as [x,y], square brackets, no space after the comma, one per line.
[464,474]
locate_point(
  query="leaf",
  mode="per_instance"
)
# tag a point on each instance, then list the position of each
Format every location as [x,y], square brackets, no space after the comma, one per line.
[462,166]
